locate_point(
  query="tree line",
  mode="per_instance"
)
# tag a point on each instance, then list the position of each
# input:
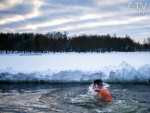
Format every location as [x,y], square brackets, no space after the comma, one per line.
[60,42]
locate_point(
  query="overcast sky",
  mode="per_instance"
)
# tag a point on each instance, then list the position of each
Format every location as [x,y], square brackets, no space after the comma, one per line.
[77,17]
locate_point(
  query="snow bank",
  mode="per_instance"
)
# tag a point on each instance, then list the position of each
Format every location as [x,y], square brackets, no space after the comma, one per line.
[111,67]
[124,73]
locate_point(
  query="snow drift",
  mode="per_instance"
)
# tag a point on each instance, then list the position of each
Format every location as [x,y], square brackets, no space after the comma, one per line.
[124,73]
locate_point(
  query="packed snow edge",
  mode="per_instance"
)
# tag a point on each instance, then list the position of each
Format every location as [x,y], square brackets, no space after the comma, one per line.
[124,73]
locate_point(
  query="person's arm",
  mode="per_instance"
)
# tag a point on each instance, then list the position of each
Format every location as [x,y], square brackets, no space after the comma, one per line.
[106,95]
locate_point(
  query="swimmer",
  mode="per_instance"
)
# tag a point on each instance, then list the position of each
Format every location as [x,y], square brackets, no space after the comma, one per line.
[103,92]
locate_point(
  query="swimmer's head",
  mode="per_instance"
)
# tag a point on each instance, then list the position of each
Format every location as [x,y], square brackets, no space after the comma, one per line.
[98,82]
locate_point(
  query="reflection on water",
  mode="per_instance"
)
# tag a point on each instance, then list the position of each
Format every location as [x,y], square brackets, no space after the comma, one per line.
[24,97]
[8,87]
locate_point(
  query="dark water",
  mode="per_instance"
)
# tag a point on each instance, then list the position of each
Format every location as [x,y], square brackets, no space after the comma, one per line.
[127,99]
[8,87]
[73,98]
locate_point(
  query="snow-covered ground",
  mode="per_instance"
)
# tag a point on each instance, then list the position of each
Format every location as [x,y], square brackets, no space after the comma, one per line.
[75,67]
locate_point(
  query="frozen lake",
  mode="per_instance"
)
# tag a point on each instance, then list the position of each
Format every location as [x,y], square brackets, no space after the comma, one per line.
[72,98]
[74,67]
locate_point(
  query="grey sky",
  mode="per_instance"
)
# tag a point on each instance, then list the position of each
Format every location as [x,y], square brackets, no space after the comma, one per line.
[77,17]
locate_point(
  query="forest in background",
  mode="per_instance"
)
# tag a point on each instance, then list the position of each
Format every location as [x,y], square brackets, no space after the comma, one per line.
[59,42]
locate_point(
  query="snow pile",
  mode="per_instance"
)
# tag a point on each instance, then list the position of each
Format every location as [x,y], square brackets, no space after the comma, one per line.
[145,71]
[124,73]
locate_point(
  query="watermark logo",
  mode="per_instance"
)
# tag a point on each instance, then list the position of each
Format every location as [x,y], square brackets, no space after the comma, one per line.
[138,8]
